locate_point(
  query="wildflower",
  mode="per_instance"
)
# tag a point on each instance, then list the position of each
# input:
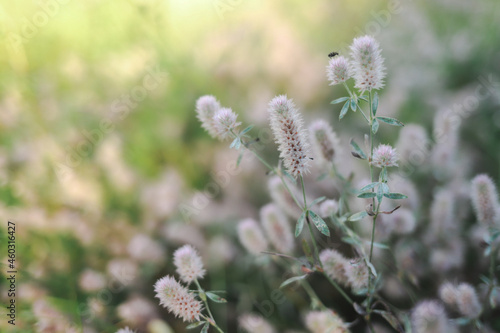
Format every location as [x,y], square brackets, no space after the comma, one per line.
[357,275]
[282,197]
[334,264]
[326,321]
[251,236]
[125,330]
[368,64]
[206,107]
[328,207]
[338,70]
[91,281]
[442,215]
[384,156]
[485,199]
[253,323]
[467,301]
[277,228]
[286,124]
[143,248]
[225,123]
[137,311]
[429,317]
[188,263]
[448,294]
[177,299]
[412,144]
[325,143]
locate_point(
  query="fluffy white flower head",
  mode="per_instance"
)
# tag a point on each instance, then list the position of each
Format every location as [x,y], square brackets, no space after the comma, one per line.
[485,200]
[125,330]
[188,263]
[368,64]
[206,107]
[177,299]
[325,143]
[286,124]
[225,123]
[384,156]
[251,236]
[277,228]
[338,70]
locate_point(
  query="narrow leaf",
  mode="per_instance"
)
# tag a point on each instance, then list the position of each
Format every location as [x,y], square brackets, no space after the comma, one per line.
[375,125]
[380,193]
[246,129]
[375,104]
[395,196]
[300,224]
[205,328]
[344,110]
[359,309]
[367,195]
[372,268]
[234,143]
[319,223]
[381,246]
[353,104]
[385,188]
[239,159]
[390,318]
[339,100]
[290,177]
[364,98]
[390,121]
[292,280]
[357,216]
[215,298]
[369,186]
[350,240]
[317,200]
[357,149]
[194,325]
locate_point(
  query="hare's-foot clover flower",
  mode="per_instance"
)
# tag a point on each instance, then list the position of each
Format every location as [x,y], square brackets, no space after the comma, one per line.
[225,123]
[325,321]
[328,207]
[206,107]
[125,330]
[485,200]
[253,323]
[286,124]
[277,228]
[334,265]
[338,70]
[177,299]
[430,317]
[368,64]
[325,143]
[188,263]
[384,156]
[251,236]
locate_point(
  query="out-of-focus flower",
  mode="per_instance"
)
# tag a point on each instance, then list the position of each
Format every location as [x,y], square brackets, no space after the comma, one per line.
[468,301]
[206,107]
[485,200]
[412,145]
[49,320]
[125,330]
[177,299]
[277,228]
[325,143]
[286,124]
[328,207]
[124,271]
[430,317]
[334,264]
[338,70]
[253,323]
[368,64]
[357,275]
[282,197]
[225,123]
[188,263]
[251,236]
[384,156]
[145,249]
[91,281]
[137,311]
[401,222]
[326,321]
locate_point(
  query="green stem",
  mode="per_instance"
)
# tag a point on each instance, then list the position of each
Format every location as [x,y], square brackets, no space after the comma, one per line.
[303,191]
[315,246]
[493,255]
[335,284]
[312,294]
[205,301]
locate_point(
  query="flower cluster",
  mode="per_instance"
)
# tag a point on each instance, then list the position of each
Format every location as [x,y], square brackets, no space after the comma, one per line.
[219,122]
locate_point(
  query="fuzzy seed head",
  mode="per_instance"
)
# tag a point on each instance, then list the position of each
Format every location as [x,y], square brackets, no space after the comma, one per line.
[368,64]
[442,213]
[485,200]
[277,228]
[448,294]
[188,263]
[401,222]
[177,299]
[429,317]
[325,143]
[357,275]
[253,323]
[468,301]
[335,265]
[328,208]
[286,124]
[251,236]
[225,123]
[384,156]
[326,321]
[125,330]
[338,70]
[206,107]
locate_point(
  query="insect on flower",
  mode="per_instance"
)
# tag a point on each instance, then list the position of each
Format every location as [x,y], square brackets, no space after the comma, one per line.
[332,54]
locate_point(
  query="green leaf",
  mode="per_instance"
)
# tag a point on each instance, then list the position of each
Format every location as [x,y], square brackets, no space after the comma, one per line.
[236,143]
[319,223]
[390,318]
[353,104]
[390,121]
[215,298]
[368,187]
[246,129]
[364,98]
[290,177]
[367,195]
[307,252]
[381,246]
[339,100]
[205,328]
[239,159]
[357,216]
[385,188]
[380,193]
[375,125]
[317,200]
[371,267]
[383,175]
[351,240]
[358,150]
[395,196]
[292,280]
[300,224]
[375,104]
[194,325]
[359,309]
[344,110]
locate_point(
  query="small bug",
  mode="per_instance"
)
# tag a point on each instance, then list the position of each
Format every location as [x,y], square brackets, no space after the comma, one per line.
[332,54]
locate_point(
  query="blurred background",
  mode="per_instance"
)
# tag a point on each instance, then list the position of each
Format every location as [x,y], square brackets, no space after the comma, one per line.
[104,166]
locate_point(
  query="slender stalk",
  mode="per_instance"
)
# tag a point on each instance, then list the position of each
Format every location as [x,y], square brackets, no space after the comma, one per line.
[339,289]
[493,256]
[204,299]
[312,294]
